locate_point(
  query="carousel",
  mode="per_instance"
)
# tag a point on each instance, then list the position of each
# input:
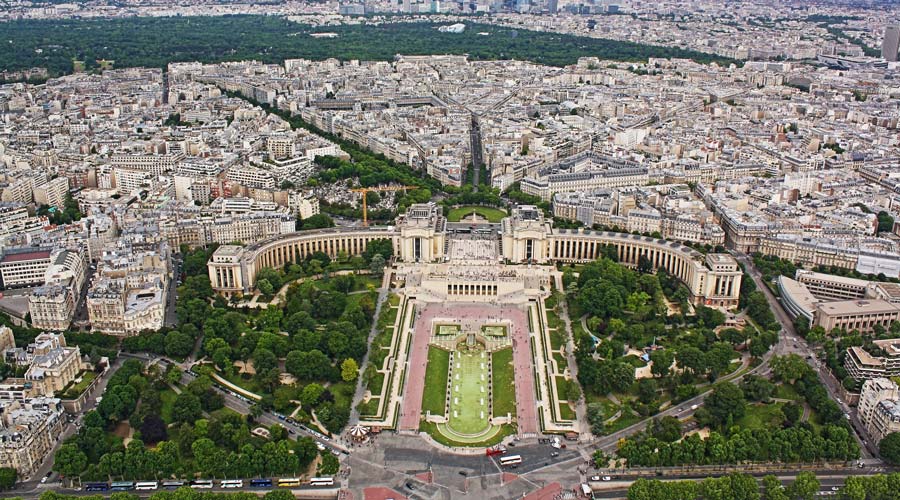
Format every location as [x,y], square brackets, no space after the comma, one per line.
[359,433]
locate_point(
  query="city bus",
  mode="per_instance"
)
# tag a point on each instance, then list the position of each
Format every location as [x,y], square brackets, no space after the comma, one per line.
[96,487]
[146,485]
[511,460]
[121,485]
[288,482]
[232,483]
[203,484]
[321,481]
[260,483]
[172,485]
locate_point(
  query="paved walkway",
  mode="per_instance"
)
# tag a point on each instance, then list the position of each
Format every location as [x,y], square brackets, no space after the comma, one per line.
[373,331]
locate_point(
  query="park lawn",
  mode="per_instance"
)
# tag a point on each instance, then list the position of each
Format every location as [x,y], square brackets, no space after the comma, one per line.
[469,397]
[343,393]
[578,332]
[222,412]
[761,416]
[168,404]
[238,379]
[355,298]
[375,383]
[369,407]
[557,339]
[432,430]
[553,320]
[363,281]
[786,391]
[489,213]
[503,380]
[626,419]
[436,381]
[561,362]
[633,361]
[566,412]
[388,316]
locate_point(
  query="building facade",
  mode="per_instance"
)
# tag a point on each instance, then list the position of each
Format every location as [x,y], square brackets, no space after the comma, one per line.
[525,238]
[28,432]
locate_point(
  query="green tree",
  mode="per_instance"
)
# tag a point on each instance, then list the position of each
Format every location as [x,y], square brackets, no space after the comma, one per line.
[726,404]
[757,388]
[311,394]
[349,370]
[662,359]
[804,487]
[376,265]
[329,465]
[278,495]
[789,368]
[666,429]
[8,477]
[265,287]
[596,415]
[311,365]
[178,344]
[889,448]
[70,461]
[318,221]
[773,489]
[187,407]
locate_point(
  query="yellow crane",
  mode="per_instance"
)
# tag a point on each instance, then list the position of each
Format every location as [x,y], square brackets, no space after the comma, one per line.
[365,190]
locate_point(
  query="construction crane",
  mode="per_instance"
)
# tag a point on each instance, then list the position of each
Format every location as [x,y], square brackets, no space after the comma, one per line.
[365,190]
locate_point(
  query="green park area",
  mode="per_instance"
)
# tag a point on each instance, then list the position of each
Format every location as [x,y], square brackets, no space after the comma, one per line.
[489,213]
[144,41]
[504,389]
[436,381]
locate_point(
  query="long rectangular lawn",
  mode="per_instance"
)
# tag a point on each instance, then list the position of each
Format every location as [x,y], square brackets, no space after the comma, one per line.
[504,389]
[436,381]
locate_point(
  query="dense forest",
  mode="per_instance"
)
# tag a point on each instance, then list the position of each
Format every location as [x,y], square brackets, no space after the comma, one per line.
[154,42]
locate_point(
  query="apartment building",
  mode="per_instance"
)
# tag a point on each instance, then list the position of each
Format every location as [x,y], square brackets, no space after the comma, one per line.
[51,366]
[24,266]
[117,308]
[53,193]
[28,432]
[873,392]
[156,164]
[864,366]
[584,181]
[255,177]
[884,420]
[52,305]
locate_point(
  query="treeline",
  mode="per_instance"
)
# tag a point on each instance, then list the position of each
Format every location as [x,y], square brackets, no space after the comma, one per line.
[184,493]
[800,443]
[155,42]
[735,486]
